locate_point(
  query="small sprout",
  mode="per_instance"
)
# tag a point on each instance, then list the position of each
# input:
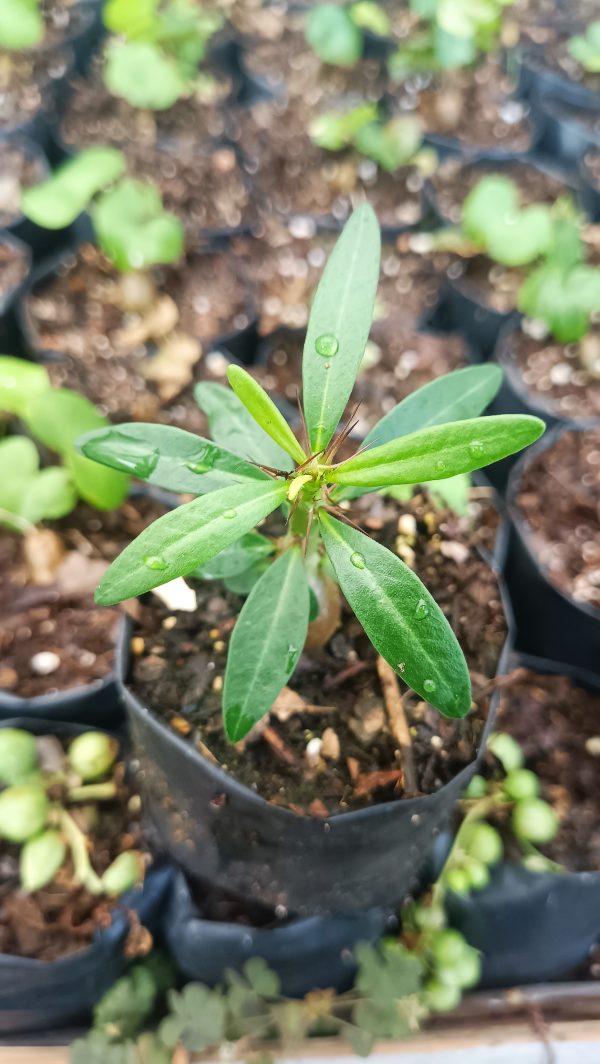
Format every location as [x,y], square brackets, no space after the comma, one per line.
[457,880]
[482,842]
[521,783]
[40,860]
[24,811]
[534,821]
[62,197]
[92,755]
[391,144]
[442,997]
[477,873]
[448,947]
[333,35]
[507,750]
[126,872]
[477,787]
[18,755]
[450,34]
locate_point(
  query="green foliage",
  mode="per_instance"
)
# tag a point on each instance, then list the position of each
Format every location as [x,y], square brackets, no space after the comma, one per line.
[333,35]
[62,197]
[133,228]
[586,48]
[27,494]
[21,24]
[162,44]
[391,144]
[491,217]
[433,435]
[449,35]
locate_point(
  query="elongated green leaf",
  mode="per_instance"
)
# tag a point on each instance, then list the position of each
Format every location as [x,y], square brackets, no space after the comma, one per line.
[238,558]
[440,452]
[231,426]
[266,643]
[187,537]
[61,198]
[339,325]
[19,381]
[262,408]
[168,457]
[400,617]
[57,418]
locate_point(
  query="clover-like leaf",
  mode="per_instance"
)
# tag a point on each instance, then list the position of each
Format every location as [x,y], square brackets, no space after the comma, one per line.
[333,35]
[197,1019]
[62,197]
[133,228]
[19,382]
[143,75]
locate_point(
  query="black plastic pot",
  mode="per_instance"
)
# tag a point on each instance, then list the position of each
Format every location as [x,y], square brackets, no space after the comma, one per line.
[532,926]
[307,954]
[446,144]
[10,340]
[41,241]
[537,81]
[37,995]
[548,622]
[461,310]
[564,135]
[98,704]
[589,192]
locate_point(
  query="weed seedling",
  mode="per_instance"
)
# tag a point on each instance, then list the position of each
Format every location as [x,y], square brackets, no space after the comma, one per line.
[433,434]
[390,143]
[449,34]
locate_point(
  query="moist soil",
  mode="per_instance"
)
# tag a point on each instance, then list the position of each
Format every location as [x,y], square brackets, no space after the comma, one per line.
[396,363]
[488,283]
[292,175]
[63,621]
[14,266]
[453,181]
[18,170]
[76,314]
[63,917]
[558,724]
[554,374]
[178,663]
[474,107]
[26,86]
[559,497]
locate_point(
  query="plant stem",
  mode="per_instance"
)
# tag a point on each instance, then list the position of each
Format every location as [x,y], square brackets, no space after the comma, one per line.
[20,523]
[93,792]
[78,844]
[394,707]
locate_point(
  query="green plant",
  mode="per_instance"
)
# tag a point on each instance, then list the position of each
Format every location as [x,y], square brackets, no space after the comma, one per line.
[411,444]
[162,42]
[391,144]
[21,24]
[34,811]
[449,34]
[586,48]
[336,34]
[55,417]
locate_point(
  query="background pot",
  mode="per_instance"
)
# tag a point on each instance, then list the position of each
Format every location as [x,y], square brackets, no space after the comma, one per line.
[564,135]
[462,311]
[548,622]
[36,995]
[539,82]
[41,241]
[589,192]
[307,954]
[10,336]
[98,704]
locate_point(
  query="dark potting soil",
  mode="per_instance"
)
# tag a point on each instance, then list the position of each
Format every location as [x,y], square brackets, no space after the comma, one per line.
[335,694]
[293,176]
[53,636]
[14,265]
[63,917]
[559,497]
[558,727]
[108,353]
[63,20]
[26,78]
[563,378]
[454,179]
[396,363]
[493,286]
[18,170]
[592,162]
[476,108]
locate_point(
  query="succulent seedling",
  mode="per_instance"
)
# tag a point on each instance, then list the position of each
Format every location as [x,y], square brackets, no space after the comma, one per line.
[154,58]
[35,810]
[390,143]
[337,34]
[585,48]
[433,434]
[54,417]
[449,34]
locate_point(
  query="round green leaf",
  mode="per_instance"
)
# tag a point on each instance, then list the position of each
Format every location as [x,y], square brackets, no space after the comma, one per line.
[133,228]
[21,24]
[143,75]
[333,35]
[58,201]
[19,382]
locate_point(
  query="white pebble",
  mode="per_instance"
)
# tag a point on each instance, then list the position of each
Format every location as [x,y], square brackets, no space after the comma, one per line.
[45,662]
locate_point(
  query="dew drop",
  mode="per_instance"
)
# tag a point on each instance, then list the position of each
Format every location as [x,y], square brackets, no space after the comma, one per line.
[429,686]
[198,467]
[292,658]
[421,610]
[132,455]
[327,345]
[154,561]
[229,514]
[476,448]
[357,560]
[440,466]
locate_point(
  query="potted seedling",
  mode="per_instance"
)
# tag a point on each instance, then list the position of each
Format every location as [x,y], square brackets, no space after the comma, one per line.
[65,665]
[139,325]
[566,68]
[316,548]
[339,35]
[71,839]
[433,67]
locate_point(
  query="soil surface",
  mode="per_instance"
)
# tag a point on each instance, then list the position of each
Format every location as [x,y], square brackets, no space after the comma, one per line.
[555,374]
[14,267]
[63,21]
[488,283]
[293,176]
[112,355]
[27,86]
[559,496]
[54,637]
[63,918]
[18,170]
[335,693]
[454,179]
[558,727]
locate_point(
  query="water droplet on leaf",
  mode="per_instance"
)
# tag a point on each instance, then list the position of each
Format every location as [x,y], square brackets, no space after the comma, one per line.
[292,658]
[327,345]
[154,561]
[357,560]
[229,514]
[421,610]
[134,457]
[440,466]
[429,686]
[476,448]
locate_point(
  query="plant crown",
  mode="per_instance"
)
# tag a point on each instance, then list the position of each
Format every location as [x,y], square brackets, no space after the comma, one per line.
[257,464]
[55,417]
[155,61]
[131,225]
[449,34]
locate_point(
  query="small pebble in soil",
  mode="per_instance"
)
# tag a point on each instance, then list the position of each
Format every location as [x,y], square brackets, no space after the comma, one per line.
[45,662]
